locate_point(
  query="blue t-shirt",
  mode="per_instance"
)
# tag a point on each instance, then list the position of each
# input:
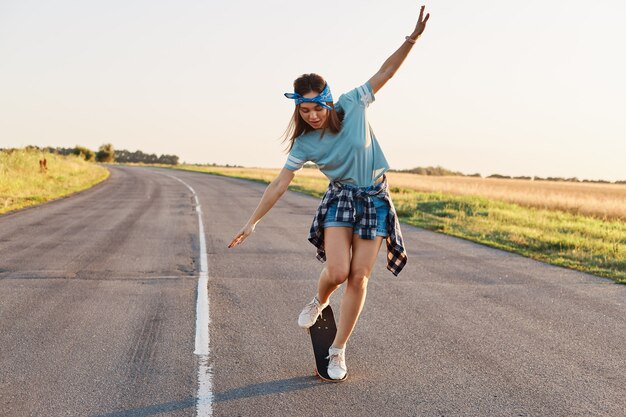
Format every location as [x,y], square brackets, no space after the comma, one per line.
[351,156]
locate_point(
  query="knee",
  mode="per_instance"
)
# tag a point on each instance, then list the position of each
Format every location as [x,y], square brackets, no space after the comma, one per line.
[337,274]
[358,278]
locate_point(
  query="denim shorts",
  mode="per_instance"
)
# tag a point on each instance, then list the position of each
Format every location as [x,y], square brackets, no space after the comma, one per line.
[382,211]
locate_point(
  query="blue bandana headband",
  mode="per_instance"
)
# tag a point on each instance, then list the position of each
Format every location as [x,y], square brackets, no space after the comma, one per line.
[320,99]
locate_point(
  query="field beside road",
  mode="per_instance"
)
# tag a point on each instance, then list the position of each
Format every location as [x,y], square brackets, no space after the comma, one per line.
[575,225]
[23,183]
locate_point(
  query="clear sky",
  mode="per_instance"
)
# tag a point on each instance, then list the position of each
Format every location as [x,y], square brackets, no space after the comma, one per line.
[493,86]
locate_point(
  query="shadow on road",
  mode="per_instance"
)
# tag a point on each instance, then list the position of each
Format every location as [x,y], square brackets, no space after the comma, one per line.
[152,409]
[268,388]
[253,390]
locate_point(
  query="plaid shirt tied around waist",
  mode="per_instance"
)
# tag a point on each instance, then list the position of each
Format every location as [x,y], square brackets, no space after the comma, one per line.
[346,212]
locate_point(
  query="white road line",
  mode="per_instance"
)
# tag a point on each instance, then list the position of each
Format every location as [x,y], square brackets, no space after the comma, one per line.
[204,399]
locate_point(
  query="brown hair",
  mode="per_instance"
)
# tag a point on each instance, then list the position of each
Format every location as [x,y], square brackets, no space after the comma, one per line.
[297,126]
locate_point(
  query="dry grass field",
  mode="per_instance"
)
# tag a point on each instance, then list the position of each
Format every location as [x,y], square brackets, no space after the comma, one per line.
[23,183]
[598,200]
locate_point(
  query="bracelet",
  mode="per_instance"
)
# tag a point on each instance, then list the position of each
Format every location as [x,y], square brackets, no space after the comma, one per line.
[409,39]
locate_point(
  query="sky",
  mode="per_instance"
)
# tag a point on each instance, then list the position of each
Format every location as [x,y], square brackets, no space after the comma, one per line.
[492,86]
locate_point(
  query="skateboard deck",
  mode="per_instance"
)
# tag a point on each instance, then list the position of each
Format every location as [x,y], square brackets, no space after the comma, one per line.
[322,336]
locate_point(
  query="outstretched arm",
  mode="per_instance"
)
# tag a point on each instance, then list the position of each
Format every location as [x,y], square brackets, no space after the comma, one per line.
[391,65]
[272,194]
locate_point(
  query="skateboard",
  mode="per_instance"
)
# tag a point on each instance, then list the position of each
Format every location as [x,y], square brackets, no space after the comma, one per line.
[322,336]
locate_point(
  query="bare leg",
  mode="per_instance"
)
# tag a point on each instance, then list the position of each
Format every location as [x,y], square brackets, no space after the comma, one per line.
[364,254]
[337,241]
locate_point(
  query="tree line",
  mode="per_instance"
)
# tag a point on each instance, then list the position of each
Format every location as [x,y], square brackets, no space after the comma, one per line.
[139,156]
[107,153]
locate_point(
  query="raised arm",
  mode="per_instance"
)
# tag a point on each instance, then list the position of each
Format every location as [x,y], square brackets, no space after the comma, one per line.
[391,65]
[272,194]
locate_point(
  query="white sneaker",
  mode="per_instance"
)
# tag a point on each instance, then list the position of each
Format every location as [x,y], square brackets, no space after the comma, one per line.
[337,363]
[310,313]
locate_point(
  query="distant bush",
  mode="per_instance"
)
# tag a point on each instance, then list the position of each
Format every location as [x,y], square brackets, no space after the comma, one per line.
[499,176]
[213,164]
[106,153]
[559,179]
[436,171]
[125,156]
[598,181]
[86,153]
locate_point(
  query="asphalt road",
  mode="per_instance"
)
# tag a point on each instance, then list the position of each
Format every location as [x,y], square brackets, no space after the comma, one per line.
[97,315]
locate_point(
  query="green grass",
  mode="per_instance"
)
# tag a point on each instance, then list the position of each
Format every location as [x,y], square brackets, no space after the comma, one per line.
[574,241]
[584,243]
[22,184]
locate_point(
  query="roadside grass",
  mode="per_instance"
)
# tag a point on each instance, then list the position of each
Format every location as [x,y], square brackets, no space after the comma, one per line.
[22,184]
[573,240]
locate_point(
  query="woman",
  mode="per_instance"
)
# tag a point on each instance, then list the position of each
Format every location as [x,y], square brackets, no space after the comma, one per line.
[356,213]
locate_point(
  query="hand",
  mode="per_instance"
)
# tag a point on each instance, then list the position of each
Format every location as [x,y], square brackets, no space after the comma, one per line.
[421,24]
[241,236]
